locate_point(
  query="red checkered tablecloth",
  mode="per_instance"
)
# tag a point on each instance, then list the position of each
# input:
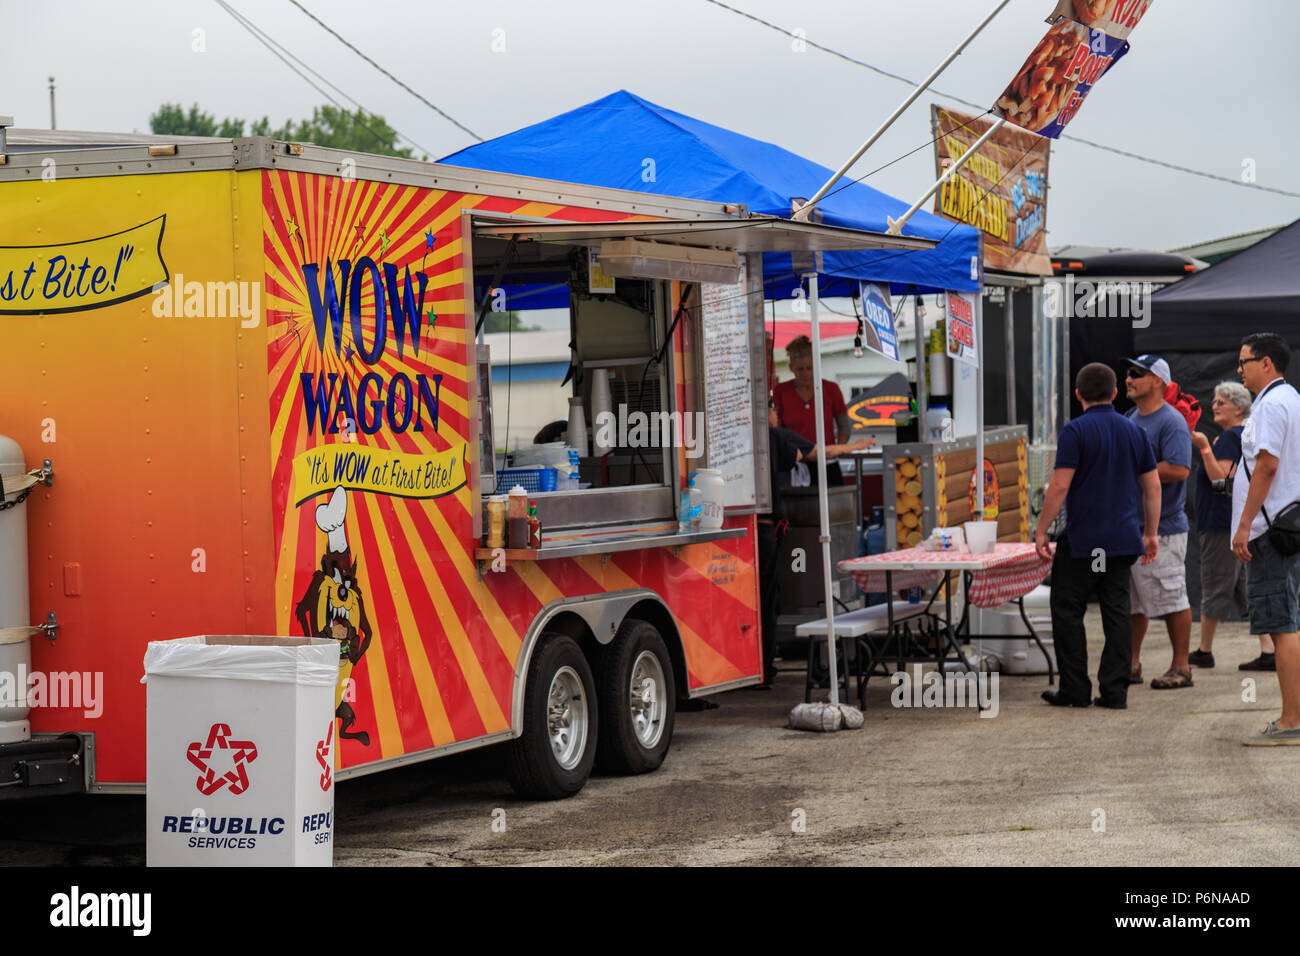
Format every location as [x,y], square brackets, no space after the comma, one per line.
[1006,573]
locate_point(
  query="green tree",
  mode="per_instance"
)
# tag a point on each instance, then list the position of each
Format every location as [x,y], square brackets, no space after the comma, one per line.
[340,129]
[329,126]
[172,120]
[506,322]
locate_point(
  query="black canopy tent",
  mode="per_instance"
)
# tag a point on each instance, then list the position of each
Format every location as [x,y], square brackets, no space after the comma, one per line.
[1197,326]
[1257,290]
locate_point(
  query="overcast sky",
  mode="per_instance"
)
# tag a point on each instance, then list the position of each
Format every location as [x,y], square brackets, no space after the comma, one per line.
[1207,84]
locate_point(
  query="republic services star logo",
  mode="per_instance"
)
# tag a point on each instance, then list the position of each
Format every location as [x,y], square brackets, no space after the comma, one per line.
[323,751]
[239,752]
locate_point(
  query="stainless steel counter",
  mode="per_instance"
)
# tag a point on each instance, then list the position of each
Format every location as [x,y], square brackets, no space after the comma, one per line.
[626,541]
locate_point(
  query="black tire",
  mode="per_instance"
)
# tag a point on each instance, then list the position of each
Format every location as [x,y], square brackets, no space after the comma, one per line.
[533,766]
[619,748]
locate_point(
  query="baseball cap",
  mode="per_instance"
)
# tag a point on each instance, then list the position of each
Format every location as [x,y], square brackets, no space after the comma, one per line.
[1152,363]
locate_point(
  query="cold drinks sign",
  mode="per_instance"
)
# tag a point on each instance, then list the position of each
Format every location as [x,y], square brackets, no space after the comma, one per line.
[961,328]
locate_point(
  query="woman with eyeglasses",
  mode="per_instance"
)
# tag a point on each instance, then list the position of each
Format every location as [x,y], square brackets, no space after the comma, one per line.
[1223,577]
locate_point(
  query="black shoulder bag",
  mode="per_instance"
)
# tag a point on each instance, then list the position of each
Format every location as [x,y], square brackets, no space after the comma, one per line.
[1284,532]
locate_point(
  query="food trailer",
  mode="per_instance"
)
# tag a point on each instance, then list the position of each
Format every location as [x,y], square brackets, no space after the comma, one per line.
[255,369]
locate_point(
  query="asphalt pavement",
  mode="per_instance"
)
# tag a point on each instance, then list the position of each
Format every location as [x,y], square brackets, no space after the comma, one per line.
[1165,782]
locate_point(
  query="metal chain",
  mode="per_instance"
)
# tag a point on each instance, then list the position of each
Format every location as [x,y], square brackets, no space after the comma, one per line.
[40,474]
[22,496]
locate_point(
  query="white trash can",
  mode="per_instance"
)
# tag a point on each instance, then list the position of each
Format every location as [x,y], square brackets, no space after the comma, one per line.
[240,751]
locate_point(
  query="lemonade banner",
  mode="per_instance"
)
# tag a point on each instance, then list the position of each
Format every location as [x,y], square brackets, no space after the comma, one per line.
[1001,190]
[82,274]
[362,468]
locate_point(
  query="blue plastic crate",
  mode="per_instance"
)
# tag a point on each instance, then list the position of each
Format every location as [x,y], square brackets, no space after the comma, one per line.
[533,479]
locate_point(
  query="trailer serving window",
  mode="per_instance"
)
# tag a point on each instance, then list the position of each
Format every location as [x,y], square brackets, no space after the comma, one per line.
[557,337]
[661,347]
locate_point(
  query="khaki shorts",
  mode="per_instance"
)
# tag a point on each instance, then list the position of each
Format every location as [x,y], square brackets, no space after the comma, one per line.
[1160,588]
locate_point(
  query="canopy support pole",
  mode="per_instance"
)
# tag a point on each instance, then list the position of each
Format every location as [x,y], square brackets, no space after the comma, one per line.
[823,502]
[801,215]
[896,226]
[922,393]
[1009,325]
[979,388]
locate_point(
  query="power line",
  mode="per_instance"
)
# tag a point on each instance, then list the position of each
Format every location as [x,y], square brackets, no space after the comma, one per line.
[965,102]
[418,96]
[271,44]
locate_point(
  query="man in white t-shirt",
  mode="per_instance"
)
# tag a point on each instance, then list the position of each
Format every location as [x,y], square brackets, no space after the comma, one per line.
[1270,451]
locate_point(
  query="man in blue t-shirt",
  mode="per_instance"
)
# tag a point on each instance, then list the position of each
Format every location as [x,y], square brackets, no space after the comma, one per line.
[1106,477]
[1160,588]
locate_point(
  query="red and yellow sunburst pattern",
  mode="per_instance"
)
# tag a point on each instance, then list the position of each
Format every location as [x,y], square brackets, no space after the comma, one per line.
[372,469]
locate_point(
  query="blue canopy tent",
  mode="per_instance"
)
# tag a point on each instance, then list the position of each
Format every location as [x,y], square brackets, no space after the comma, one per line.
[625,142]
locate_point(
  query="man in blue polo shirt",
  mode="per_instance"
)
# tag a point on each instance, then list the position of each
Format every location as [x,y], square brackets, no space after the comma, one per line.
[1106,477]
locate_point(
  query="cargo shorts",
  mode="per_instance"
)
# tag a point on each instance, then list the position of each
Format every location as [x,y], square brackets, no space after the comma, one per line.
[1160,588]
[1272,589]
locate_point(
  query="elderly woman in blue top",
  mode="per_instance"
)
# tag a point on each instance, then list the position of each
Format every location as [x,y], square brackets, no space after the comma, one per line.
[1223,577]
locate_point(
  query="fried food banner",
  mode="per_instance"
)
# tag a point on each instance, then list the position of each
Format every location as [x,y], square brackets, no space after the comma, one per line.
[80,274]
[365,468]
[1001,190]
[1115,18]
[1051,86]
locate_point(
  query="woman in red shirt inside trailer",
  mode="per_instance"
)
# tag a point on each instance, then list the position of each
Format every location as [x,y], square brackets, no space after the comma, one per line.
[793,400]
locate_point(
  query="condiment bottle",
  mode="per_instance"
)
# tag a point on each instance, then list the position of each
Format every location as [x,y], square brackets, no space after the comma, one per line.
[534,526]
[697,501]
[517,517]
[496,521]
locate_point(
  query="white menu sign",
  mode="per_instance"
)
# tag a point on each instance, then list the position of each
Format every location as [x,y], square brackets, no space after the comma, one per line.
[728,389]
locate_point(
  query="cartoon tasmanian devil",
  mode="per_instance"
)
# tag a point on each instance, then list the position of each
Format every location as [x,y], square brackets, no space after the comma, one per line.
[333,607]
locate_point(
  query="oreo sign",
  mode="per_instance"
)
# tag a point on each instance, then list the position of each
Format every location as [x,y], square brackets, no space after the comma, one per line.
[878,330]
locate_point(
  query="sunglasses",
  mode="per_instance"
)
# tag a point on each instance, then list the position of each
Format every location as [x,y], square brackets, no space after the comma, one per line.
[1137,372]
[1242,363]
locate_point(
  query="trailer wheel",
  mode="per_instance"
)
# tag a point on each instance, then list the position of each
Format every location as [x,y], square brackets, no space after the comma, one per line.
[638,700]
[553,757]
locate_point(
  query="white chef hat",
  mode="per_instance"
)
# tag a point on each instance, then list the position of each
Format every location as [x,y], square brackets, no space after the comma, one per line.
[329,518]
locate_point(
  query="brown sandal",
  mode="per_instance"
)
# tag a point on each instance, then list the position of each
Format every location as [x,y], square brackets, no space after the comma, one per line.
[1172,680]
[1135,675]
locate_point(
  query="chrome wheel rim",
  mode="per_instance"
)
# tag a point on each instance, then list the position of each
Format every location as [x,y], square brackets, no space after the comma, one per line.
[646,699]
[566,717]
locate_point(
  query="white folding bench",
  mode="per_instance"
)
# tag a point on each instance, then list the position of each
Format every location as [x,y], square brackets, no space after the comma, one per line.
[854,624]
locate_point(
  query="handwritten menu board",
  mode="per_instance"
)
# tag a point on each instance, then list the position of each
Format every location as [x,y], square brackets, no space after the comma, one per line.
[728,389]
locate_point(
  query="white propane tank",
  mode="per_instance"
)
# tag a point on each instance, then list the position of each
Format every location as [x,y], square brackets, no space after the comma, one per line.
[714,492]
[15,659]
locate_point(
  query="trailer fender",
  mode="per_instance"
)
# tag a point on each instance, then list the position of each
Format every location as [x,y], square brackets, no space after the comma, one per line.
[602,614]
